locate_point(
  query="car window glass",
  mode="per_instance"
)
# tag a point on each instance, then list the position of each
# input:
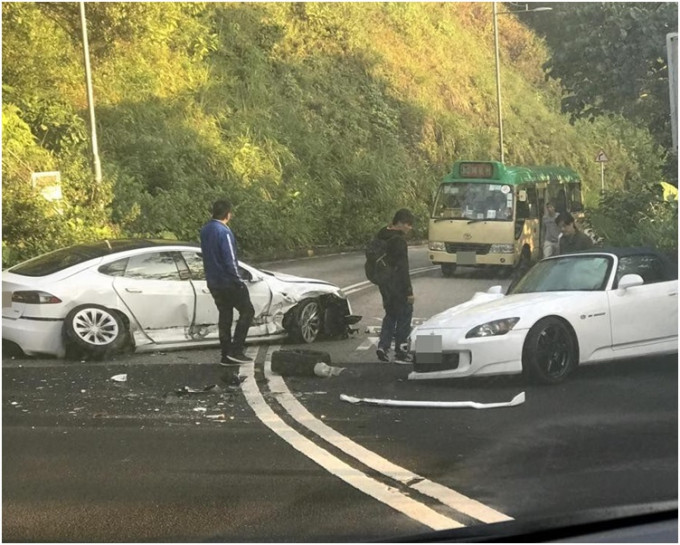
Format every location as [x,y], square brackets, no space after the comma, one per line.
[649,267]
[155,266]
[194,261]
[117,268]
[566,274]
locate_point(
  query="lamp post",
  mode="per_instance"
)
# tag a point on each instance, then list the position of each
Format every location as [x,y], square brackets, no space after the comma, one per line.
[496,13]
[90,99]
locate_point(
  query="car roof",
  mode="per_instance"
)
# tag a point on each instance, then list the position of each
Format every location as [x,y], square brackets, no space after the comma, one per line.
[113,246]
[78,254]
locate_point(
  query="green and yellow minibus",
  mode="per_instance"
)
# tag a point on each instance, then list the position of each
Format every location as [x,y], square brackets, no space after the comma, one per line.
[487,214]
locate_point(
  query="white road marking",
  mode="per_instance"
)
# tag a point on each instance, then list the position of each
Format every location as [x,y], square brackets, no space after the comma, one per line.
[446,496]
[368,343]
[353,288]
[386,494]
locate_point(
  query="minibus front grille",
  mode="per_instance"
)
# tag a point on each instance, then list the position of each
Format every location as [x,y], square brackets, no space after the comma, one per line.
[479,249]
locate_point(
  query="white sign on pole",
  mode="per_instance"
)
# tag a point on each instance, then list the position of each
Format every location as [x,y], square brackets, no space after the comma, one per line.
[48,183]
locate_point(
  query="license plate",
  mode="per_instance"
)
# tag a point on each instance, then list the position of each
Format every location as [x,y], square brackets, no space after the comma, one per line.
[466,258]
[429,348]
[6,299]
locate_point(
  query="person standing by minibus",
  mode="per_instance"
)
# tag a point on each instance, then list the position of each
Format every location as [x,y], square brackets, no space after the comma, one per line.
[572,240]
[550,231]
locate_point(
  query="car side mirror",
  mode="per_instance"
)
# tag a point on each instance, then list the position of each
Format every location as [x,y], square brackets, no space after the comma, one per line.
[630,280]
[494,290]
[255,278]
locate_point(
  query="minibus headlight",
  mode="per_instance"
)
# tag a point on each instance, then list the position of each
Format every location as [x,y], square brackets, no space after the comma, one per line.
[437,246]
[502,249]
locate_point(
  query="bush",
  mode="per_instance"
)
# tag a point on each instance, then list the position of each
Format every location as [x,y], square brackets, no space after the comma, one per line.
[636,218]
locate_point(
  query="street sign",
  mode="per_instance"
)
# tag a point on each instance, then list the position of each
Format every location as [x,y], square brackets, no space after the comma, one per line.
[48,183]
[601,157]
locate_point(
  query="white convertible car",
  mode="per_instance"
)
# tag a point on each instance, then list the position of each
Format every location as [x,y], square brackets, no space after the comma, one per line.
[567,310]
[150,294]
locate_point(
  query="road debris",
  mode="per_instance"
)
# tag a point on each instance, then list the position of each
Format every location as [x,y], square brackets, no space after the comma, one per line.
[119,378]
[211,388]
[322,369]
[517,400]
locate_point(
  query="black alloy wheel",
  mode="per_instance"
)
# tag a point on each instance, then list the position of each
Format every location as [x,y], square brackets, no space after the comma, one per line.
[550,351]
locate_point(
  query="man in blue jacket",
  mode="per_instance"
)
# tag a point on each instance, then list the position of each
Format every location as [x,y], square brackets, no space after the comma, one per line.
[228,289]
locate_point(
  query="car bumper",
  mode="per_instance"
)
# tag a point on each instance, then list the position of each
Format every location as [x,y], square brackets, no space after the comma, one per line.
[35,337]
[461,357]
[472,259]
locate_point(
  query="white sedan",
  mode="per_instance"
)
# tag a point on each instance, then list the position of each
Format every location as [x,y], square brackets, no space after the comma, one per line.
[98,298]
[568,310]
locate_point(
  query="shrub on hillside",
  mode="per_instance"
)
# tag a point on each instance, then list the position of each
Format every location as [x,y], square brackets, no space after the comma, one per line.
[636,218]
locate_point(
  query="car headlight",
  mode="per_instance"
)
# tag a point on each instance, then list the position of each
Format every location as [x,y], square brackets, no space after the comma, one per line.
[491,329]
[437,246]
[502,249]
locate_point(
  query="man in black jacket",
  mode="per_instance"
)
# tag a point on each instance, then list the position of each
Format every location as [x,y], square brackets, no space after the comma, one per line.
[397,294]
[572,240]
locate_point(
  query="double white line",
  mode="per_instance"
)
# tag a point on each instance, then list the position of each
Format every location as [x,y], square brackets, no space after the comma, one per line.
[384,493]
[349,290]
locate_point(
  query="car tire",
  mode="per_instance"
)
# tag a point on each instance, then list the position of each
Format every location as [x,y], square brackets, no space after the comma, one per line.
[298,362]
[307,325]
[550,351]
[448,269]
[94,330]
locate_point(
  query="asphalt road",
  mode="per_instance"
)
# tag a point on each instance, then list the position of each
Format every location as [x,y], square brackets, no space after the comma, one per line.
[86,458]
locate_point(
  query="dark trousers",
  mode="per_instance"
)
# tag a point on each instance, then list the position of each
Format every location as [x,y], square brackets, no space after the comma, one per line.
[226,300]
[396,324]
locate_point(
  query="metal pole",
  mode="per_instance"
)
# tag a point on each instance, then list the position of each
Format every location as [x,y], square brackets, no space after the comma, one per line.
[498,81]
[602,174]
[90,99]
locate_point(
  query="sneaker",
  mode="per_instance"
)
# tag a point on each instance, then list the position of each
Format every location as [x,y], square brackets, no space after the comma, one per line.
[238,357]
[403,358]
[382,355]
[226,362]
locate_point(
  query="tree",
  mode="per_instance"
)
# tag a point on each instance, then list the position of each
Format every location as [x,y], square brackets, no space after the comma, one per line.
[611,59]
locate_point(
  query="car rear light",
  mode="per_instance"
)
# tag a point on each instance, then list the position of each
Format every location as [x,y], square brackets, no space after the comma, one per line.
[34,298]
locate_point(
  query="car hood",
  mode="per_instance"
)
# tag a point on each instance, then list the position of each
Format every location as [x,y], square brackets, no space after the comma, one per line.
[292,279]
[485,307]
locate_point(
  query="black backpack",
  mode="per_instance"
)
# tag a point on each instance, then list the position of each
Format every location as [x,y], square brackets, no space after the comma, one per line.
[377,269]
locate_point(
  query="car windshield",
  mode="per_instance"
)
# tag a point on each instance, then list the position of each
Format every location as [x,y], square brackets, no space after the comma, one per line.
[474,201]
[572,273]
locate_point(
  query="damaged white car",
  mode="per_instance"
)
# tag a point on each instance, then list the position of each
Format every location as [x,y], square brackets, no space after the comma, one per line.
[102,297]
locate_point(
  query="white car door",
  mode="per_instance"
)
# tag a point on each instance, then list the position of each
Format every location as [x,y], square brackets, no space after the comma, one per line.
[643,314]
[161,302]
[206,316]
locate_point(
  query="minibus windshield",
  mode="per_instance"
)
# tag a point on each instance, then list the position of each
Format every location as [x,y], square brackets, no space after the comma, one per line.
[474,201]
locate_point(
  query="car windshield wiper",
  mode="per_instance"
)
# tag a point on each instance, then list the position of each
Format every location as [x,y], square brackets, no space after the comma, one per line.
[475,221]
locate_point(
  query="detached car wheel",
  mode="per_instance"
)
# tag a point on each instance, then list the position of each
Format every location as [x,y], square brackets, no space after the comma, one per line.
[298,362]
[307,325]
[95,330]
[550,351]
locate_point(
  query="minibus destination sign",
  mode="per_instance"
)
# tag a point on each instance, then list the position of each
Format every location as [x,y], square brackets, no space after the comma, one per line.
[476,170]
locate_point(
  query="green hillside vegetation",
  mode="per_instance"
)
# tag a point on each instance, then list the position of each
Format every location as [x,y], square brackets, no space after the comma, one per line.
[317,120]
